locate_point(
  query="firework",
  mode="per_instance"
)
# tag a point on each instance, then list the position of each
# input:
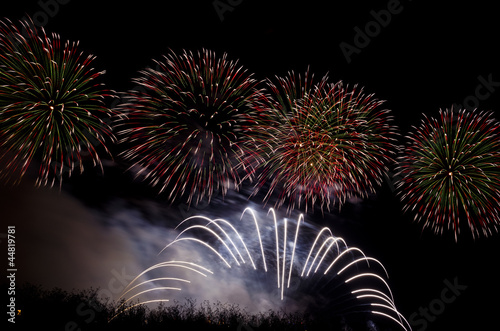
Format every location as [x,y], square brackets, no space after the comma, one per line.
[189,128]
[302,263]
[51,108]
[450,172]
[325,143]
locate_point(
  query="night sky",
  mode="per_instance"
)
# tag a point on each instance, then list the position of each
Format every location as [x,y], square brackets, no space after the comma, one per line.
[426,58]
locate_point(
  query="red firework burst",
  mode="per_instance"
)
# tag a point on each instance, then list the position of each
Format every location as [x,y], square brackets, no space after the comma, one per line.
[326,142]
[191,127]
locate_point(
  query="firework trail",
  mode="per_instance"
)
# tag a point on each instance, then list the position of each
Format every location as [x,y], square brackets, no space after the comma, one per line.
[51,107]
[190,128]
[293,260]
[450,172]
[326,142]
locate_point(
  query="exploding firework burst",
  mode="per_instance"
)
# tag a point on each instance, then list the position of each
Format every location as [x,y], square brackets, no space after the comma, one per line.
[450,172]
[190,127]
[325,143]
[51,108]
[294,262]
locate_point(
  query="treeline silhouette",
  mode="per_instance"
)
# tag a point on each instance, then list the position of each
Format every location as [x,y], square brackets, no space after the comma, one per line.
[58,309]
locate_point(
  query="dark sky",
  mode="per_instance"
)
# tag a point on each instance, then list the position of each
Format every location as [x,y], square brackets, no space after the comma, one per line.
[425,58]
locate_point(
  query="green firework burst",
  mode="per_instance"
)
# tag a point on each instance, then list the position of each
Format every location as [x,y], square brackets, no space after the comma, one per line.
[51,107]
[450,172]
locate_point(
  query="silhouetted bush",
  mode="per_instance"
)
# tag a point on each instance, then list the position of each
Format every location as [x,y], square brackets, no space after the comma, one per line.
[58,309]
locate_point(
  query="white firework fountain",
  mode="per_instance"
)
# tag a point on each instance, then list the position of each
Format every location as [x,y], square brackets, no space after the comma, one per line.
[295,265]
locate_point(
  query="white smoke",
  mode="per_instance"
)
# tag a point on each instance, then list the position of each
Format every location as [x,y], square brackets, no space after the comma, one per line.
[65,244]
